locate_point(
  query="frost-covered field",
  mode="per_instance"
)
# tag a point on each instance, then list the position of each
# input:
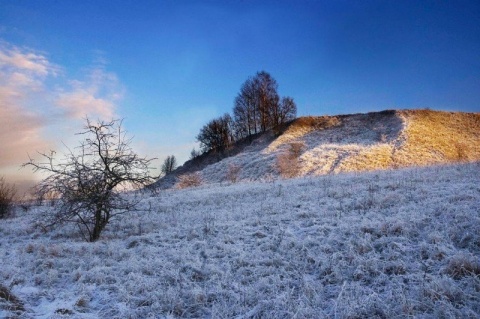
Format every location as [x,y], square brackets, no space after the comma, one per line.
[388,244]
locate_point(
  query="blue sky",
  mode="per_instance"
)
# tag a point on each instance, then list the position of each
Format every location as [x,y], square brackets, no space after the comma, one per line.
[167,67]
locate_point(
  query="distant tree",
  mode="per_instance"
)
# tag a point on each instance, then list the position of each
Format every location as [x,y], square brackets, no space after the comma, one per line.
[87,186]
[7,197]
[169,164]
[194,153]
[267,100]
[245,110]
[287,110]
[258,108]
[217,135]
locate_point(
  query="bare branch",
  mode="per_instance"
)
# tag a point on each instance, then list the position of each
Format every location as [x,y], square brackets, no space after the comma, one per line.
[86,186]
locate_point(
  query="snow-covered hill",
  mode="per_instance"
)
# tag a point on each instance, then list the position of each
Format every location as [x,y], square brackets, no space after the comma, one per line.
[386,244]
[345,143]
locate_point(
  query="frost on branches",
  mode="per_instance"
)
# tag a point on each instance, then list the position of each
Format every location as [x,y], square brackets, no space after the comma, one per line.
[86,186]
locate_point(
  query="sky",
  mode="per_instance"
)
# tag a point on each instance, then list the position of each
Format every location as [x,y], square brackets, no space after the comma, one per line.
[168,67]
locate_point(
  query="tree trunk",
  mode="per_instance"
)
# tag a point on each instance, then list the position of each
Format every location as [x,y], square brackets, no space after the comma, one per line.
[100,223]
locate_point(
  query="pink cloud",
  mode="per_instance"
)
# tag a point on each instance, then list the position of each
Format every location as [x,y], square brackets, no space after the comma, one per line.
[21,80]
[32,110]
[22,75]
[82,102]
[20,134]
[94,97]
[14,58]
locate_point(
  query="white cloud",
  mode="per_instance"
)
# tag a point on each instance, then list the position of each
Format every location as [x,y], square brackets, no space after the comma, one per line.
[20,133]
[23,60]
[35,103]
[21,74]
[21,80]
[94,97]
[82,101]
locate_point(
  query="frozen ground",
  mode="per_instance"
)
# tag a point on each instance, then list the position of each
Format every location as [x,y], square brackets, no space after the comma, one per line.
[390,244]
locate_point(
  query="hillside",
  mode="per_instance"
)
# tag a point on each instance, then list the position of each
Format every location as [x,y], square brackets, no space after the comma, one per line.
[348,143]
[389,244]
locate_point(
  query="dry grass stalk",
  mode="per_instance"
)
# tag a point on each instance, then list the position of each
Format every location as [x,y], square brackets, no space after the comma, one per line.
[189,180]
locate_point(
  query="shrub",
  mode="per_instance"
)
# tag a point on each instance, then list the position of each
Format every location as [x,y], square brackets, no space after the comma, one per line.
[296,149]
[7,197]
[461,266]
[189,180]
[232,173]
[287,166]
[462,151]
[14,304]
[288,163]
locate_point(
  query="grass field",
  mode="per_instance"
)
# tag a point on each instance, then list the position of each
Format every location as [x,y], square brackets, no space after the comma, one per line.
[385,244]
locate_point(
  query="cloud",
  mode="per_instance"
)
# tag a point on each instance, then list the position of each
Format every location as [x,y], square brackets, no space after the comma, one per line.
[22,72]
[21,80]
[13,58]
[36,106]
[96,96]
[20,134]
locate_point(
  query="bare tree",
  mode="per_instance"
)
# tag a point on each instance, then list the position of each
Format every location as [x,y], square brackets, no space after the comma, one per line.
[88,184]
[250,109]
[287,110]
[267,100]
[169,164]
[258,108]
[217,135]
[245,111]
[7,197]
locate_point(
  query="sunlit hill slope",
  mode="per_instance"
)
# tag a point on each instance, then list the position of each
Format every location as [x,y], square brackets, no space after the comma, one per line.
[344,143]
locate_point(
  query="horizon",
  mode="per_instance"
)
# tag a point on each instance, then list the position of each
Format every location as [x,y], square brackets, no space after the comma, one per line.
[168,68]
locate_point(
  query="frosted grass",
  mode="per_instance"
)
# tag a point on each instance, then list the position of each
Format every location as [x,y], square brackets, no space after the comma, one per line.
[390,244]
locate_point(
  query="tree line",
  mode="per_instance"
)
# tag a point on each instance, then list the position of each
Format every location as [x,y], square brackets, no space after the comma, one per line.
[257,108]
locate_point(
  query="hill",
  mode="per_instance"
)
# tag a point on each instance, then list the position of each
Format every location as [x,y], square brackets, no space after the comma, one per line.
[346,143]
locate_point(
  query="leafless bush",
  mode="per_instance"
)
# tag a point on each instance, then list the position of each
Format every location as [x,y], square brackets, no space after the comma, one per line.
[232,173]
[463,266]
[382,137]
[7,197]
[189,180]
[29,248]
[82,302]
[462,151]
[86,187]
[288,163]
[14,304]
[296,149]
